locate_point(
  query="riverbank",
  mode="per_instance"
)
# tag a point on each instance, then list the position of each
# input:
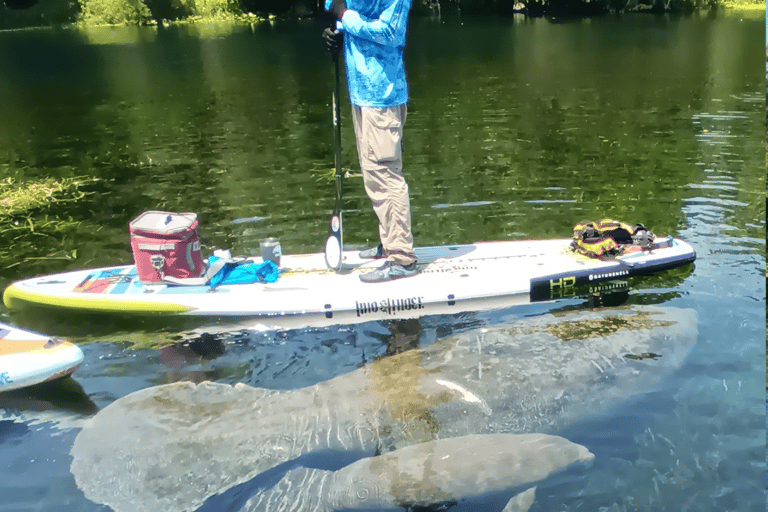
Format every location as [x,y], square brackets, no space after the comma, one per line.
[161,12]
[735,5]
[749,10]
[97,13]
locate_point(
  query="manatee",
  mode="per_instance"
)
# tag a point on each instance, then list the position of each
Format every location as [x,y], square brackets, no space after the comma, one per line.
[442,471]
[171,447]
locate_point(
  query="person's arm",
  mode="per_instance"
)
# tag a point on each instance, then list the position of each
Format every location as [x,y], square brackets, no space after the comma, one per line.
[389,29]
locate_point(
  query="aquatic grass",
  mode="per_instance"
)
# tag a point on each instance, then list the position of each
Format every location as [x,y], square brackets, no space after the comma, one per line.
[329,174]
[18,198]
[26,228]
[29,236]
[19,194]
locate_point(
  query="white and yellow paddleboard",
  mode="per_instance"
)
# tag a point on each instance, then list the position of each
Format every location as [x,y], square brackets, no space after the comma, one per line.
[451,279]
[28,358]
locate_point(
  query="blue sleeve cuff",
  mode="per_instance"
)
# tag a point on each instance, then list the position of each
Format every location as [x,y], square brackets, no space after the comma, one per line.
[350,19]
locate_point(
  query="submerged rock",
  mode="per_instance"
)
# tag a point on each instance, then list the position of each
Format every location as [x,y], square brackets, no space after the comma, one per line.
[171,447]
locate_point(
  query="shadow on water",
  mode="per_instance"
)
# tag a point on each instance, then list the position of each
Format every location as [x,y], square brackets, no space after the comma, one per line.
[83,327]
[62,395]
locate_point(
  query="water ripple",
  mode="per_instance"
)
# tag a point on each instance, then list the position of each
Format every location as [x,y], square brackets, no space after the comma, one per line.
[463,205]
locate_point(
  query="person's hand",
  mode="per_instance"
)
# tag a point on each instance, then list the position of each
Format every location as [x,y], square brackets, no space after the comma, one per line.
[339,6]
[334,40]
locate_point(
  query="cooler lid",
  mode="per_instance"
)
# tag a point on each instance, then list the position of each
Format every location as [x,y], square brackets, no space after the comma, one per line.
[163,222]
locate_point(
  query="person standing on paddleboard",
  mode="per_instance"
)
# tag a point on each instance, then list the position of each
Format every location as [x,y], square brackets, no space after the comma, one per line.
[372,34]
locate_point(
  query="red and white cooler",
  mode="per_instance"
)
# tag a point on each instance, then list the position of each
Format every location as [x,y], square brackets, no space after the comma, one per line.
[166,244]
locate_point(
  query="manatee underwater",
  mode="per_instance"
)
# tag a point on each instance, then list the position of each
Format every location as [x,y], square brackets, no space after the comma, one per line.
[171,447]
[441,471]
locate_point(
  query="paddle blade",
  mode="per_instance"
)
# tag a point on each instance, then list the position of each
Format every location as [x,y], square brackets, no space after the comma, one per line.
[333,244]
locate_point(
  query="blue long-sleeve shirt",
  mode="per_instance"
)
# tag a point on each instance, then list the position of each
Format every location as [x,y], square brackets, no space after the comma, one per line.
[374,38]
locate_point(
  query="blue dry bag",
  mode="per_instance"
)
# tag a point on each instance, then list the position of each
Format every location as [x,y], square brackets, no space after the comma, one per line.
[236,272]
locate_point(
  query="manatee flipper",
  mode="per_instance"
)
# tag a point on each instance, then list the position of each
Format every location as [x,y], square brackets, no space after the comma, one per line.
[521,502]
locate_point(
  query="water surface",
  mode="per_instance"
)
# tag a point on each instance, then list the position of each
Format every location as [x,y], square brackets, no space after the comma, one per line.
[516,129]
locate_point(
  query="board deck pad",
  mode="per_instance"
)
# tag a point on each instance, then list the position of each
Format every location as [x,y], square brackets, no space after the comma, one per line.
[28,358]
[451,279]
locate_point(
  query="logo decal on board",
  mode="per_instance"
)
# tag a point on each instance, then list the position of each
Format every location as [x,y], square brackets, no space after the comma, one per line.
[608,275]
[447,267]
[388,306]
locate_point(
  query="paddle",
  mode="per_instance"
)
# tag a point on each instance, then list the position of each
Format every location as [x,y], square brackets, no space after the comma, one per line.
[334,244]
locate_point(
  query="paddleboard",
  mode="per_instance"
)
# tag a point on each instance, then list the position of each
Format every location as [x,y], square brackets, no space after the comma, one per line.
[28,358]
[451,279]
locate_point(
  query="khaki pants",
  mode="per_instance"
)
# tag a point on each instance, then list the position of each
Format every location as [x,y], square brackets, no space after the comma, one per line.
[379,134]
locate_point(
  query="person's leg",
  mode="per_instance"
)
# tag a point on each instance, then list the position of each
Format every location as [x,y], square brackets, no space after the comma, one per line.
[379,133]
[357,116]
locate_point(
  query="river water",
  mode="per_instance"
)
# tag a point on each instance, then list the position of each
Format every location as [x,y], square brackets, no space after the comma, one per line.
[516,129]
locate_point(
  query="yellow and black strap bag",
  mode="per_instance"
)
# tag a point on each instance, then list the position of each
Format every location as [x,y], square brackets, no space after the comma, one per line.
[609,238]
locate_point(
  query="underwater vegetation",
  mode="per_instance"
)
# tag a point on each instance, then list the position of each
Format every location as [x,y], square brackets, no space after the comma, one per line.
[29,228]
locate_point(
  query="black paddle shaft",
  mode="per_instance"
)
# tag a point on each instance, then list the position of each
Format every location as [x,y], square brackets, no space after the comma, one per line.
[334,245]
[337,132]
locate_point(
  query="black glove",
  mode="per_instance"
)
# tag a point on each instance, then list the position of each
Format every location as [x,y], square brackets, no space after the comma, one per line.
[339,6]
[334,40]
